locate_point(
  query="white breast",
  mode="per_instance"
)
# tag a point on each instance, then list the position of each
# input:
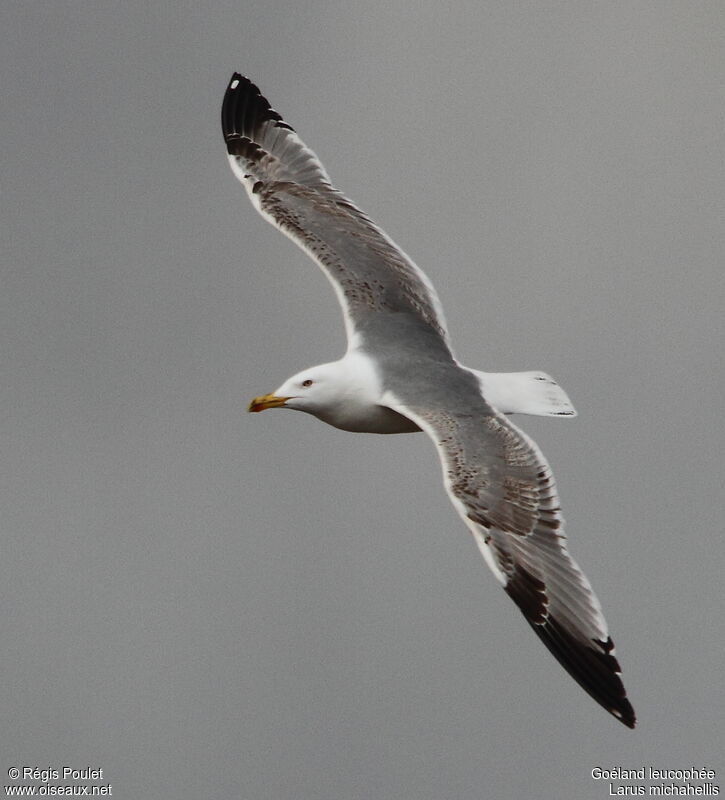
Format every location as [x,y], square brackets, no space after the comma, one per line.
[359,408]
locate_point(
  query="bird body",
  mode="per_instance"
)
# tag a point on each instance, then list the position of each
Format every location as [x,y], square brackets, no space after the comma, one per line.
[399,375]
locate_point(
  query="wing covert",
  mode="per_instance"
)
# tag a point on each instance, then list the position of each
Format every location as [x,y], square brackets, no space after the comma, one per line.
[503,488]
[290,188]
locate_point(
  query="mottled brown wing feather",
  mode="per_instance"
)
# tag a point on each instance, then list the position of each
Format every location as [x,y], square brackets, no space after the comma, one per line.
[289,186]
[504,489]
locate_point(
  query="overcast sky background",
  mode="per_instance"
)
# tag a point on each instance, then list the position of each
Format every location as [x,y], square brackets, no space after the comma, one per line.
[211,604]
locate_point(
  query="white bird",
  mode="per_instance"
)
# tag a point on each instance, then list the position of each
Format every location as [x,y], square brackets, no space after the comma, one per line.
[399,375]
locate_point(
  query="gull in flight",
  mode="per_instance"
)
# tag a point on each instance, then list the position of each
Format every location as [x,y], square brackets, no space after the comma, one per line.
[399,375]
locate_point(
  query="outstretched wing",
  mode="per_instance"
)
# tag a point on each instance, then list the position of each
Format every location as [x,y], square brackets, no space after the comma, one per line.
[503,488]
[289,186]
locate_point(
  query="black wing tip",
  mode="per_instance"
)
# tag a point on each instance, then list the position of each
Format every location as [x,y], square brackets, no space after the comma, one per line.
[622,710]
[241,85]
[626,715]
[593,667]
[244,110]
[592,664]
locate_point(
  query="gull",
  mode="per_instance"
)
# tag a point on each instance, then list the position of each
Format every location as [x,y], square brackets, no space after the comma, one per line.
[399,375]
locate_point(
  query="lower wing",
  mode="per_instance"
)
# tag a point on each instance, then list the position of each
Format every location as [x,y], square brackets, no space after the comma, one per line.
[503,488]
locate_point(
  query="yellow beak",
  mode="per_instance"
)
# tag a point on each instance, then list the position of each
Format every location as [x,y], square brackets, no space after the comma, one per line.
[267,401]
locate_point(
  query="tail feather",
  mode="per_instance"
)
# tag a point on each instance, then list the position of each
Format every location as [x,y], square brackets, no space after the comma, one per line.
[525,393]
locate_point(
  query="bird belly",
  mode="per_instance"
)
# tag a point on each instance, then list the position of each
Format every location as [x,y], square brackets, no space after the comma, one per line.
[370,419]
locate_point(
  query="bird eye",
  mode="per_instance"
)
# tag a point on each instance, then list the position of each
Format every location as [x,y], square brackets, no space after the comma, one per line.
[308,382]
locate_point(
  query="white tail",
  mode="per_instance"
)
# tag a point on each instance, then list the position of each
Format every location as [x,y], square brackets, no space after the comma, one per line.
[525,393]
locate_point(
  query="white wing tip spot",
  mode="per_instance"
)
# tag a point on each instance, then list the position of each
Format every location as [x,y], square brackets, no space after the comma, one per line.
[234,84]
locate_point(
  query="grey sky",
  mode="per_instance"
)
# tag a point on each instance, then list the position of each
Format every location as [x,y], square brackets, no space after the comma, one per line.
[206,603]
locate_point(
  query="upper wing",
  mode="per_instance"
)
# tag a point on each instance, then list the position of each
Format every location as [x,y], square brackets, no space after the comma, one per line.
[289,186]
[503,488]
